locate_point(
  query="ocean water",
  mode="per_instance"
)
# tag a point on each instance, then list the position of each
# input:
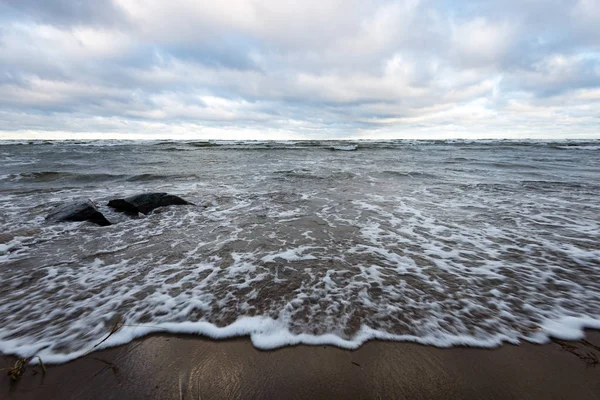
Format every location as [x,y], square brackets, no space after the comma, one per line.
[439,242]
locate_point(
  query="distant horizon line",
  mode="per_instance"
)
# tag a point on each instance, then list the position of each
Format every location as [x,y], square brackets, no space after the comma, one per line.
[308,140]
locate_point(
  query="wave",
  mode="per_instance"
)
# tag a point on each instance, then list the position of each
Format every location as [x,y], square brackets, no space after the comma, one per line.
[409,174]
[158,177]
[344,148]
[530,185]
[53,176]
[304,173]
[176,149]
[202,144]
[270,334]
[339,145]
[312,248]
[299,174]
[557,185]
[590,147]
[44,176]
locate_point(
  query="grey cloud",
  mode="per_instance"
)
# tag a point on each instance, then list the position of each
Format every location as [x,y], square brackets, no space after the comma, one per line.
[69,12]
[327,68]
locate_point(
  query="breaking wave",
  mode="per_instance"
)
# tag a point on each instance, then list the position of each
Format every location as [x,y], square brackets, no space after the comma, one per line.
[459,244]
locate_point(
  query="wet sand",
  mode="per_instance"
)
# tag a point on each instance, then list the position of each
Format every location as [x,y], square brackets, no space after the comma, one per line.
[189,367]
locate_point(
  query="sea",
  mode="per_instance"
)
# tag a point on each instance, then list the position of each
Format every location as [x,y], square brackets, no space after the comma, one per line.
[444,243]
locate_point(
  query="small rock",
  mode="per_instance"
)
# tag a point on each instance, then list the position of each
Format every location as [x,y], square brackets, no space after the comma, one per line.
[146,202]
[78,211]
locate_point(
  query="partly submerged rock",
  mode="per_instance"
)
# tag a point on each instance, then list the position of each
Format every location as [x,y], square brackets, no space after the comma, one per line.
[146,202]
[78,211]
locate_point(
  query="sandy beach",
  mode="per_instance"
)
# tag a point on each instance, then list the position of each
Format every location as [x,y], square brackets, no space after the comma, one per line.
[188,367]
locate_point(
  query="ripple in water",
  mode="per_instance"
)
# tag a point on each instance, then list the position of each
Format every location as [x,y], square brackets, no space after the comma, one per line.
[451,244]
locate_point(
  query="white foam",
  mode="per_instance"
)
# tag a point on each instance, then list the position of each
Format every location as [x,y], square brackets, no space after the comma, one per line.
[581,147]
[294,254]
[345,148]
[568,328]
[268,334]
[337,254]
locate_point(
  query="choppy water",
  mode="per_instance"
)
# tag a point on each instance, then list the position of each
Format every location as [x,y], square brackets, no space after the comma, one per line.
[444,243]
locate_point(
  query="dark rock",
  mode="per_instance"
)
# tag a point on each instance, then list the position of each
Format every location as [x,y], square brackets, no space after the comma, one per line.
[146,202]
[78,211]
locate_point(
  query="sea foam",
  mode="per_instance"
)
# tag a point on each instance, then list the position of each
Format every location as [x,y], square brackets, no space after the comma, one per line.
[444,244]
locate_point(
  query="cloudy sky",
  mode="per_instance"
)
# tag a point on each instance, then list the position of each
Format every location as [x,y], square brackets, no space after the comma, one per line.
[259,69]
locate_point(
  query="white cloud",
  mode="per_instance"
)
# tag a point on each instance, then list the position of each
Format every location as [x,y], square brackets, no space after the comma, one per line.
[317,68]
[38,92]
[28,43]
[480,41]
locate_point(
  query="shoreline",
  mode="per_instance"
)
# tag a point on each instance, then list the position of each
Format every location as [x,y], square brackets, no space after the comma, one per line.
[189,366]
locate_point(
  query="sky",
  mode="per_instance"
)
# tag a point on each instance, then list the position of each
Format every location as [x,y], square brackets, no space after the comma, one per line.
[310,69]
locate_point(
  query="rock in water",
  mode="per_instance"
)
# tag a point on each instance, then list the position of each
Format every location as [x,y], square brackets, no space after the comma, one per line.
[78,211]
[146,202]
